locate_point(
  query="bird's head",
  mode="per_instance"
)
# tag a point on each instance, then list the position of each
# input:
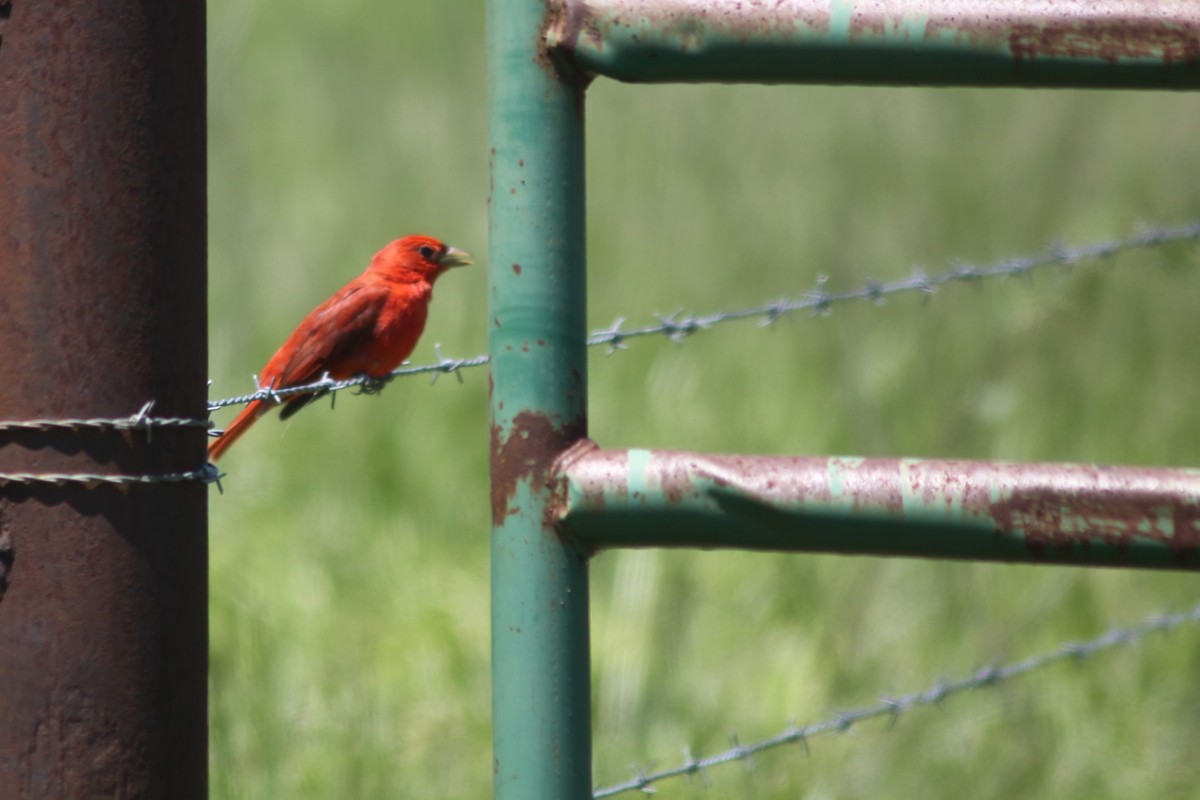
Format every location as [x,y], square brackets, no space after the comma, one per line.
[415,258]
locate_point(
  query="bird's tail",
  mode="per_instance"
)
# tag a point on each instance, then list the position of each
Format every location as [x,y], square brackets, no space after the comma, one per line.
[240,424]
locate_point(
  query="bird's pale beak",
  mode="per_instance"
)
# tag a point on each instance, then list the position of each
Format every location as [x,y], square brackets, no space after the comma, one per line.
[453,257]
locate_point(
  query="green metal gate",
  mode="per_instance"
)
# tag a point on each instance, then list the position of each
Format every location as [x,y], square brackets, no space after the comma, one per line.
[557,497]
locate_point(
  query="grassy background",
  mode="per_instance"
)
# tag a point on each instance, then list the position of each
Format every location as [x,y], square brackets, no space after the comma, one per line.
[349,551]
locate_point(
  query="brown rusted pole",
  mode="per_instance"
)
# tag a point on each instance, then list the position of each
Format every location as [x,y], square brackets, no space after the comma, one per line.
[103,624]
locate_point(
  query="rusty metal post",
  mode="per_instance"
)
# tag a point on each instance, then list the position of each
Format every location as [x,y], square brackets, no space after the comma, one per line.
[103,627]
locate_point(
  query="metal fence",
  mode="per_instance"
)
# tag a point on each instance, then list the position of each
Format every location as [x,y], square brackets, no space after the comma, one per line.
[557,497]
[138,723]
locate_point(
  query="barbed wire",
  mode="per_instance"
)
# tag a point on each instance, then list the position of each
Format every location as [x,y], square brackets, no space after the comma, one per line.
[678,327]
[138,421]
[893,707]
[368,385]
[206,474]
[821,302]
[671,325]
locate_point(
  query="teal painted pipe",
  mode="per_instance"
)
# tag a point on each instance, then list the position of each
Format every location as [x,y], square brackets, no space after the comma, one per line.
[1076,43]
[991,511]
[540,659]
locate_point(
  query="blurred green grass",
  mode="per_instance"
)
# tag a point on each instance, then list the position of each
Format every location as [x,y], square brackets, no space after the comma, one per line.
[349,596]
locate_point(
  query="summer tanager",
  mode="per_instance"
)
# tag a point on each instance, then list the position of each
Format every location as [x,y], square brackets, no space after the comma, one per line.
[368,327]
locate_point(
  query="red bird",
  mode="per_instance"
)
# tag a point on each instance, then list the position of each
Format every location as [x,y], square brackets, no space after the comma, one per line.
[368,327]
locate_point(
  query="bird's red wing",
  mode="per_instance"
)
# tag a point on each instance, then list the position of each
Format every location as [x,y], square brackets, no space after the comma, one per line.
[328,337]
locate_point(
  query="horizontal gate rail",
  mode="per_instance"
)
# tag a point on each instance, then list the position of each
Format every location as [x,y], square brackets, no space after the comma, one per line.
[978,510]
[1128,44]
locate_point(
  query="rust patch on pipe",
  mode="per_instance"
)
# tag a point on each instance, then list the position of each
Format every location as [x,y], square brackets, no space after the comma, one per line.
[576,23]
[1062,34]
[610,468]
[528,452]
[1054,519]
[766,477]
[962,484]
[1109,40]
[1060,506]
[565,22]
[674,477]
[1185,529]
[872,484]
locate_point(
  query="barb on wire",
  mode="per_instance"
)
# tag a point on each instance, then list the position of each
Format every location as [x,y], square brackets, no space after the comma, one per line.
[141,420]
[820,301]
[678,326]
[893,707]
[206,474]
[327,385]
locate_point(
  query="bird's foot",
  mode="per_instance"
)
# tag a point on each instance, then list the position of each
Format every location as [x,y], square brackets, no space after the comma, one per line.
[370,384]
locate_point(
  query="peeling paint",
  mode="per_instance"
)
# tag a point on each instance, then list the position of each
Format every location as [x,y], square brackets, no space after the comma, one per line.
[527,453]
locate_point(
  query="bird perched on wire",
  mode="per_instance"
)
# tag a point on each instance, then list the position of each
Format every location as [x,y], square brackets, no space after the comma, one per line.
[368,327]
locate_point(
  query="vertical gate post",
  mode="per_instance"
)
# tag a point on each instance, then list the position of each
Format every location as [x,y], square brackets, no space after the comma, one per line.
[103,624]
[540,659]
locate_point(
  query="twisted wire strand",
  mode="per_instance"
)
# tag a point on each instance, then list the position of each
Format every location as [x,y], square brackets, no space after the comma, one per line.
[139,421]
[142,420]
[206,474]
[677,326]
[893,707]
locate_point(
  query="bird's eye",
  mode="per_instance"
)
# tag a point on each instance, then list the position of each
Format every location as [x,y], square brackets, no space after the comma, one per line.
[426,251]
